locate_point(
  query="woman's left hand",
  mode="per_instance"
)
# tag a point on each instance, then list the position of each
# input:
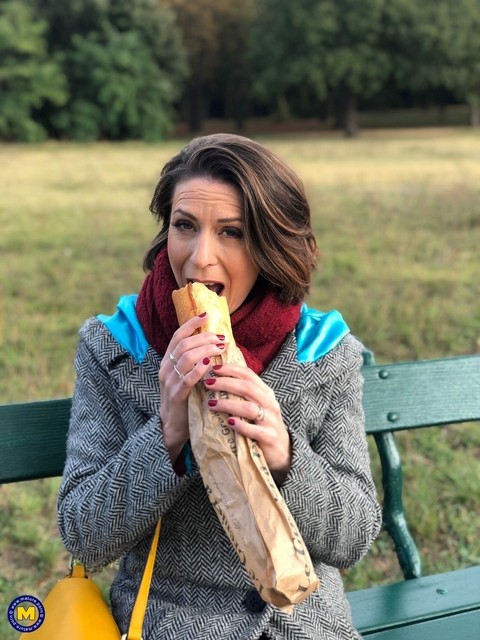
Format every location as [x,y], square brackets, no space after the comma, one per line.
[256,415]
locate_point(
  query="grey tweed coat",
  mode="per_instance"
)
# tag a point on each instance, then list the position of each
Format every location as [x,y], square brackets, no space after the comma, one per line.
[118,481]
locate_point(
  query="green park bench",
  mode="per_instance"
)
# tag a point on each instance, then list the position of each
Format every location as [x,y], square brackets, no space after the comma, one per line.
[397,397]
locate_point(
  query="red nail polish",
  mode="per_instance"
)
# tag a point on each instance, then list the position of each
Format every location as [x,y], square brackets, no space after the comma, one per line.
[212,403]
[202,315]
[206,361]
[220,336]
[220,346]
[209,381]
[216,367]
[231,421]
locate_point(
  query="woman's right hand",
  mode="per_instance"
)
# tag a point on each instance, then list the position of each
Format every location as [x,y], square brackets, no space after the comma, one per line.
[191,353]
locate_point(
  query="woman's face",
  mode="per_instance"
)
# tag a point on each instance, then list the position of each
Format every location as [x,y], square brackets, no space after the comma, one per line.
[206,239]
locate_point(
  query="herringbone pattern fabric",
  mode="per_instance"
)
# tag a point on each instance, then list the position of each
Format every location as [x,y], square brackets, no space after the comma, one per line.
[118,481]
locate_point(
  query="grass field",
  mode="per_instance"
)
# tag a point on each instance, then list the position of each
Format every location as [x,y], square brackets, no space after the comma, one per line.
[397,216]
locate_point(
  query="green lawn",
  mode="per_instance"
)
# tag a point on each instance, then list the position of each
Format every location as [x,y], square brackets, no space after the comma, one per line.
[397,216]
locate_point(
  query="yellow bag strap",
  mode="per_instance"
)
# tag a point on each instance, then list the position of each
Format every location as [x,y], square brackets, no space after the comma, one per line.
[140,606]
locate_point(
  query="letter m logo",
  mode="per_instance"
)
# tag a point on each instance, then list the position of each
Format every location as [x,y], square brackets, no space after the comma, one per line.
[26,613]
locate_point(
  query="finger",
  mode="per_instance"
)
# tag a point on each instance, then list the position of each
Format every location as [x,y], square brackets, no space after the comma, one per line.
[187,377]
[244,409]
[275,443]
[249,389]
[190,327]
[177,347]
[226,370]
[192,356]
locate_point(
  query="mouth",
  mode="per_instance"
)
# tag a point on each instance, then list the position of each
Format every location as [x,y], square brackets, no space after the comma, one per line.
[216,287]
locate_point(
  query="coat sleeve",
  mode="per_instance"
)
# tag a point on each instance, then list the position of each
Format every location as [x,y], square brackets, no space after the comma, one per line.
[329,489]
[118,479]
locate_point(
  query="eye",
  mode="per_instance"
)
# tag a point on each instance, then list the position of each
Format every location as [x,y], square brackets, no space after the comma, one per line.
[232,232]
[182,225]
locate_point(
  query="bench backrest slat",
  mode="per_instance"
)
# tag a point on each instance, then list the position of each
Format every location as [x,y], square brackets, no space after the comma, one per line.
[33,439]
[420,394]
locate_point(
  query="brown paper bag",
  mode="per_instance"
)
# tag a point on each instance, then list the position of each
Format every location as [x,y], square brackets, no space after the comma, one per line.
[249,504]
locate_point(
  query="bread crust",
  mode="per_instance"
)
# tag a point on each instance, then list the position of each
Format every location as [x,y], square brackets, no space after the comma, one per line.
[194,299]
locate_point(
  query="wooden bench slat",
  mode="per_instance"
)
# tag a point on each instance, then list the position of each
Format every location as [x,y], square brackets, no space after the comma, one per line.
[464,626]
[33,439]
[416,600]
[394,394]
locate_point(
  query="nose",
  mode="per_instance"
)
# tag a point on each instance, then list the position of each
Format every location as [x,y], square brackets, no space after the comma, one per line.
[203,252]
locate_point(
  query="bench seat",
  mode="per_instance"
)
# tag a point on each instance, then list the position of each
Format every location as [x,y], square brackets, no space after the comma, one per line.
[441,607]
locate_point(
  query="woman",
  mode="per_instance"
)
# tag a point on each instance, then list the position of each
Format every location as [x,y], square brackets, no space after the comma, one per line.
[234,217]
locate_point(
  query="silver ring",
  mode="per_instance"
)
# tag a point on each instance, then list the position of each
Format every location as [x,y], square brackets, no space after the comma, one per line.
[180,375]
[260,417]
[173,358]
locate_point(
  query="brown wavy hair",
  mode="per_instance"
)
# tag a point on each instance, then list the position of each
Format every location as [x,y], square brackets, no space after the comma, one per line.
[277,226]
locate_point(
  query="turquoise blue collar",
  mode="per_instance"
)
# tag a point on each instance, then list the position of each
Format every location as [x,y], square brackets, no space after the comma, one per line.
[316,333]
[126,328]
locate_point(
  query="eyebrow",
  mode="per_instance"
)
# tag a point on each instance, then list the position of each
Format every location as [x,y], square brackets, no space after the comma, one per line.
[192,217]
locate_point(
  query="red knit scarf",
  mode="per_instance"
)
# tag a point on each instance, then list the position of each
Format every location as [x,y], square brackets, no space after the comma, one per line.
[260,325]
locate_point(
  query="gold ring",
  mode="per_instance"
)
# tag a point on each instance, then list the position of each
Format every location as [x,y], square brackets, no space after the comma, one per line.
[260,415]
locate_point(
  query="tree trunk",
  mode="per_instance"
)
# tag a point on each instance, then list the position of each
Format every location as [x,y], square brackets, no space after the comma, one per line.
[348,111]
[241,109]
[475,113]
[195,106]
[351,122]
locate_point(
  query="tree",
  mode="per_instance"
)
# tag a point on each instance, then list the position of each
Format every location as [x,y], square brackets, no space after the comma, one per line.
[214,33]
[28,77]
[329,46]
[125,66]
[286,52]
[418,38]
[233,75]
[124,75]
[463,74]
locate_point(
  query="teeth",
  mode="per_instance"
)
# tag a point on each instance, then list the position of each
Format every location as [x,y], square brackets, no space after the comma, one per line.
[207,284]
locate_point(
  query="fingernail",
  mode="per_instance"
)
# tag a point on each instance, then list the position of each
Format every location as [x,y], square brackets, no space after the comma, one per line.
[209,381]
[220,346]
[202,315]
[220,336]
[231,421]
[216,367]
[206,361]
[212,403]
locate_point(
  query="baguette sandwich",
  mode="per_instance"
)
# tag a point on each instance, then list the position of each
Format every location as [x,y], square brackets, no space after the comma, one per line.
[239,484]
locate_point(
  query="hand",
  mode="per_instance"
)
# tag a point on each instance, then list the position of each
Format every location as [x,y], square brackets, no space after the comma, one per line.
[191,353]
[257,415]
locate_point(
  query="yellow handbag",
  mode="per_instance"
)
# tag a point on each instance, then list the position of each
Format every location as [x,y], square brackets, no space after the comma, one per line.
[76,610]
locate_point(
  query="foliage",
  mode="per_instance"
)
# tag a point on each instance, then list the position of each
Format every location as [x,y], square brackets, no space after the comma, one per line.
[116,69]
[215,34]
[125,66]
[464,72]
[333,47]
[117,89]
[346,51]
[27,76]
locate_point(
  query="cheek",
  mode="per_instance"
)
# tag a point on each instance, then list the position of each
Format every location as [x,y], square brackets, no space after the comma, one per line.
[174,256]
